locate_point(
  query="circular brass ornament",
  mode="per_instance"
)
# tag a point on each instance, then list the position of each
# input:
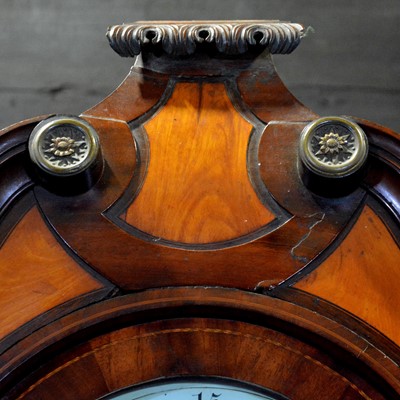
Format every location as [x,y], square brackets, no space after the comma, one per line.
[333,147]
[64,145]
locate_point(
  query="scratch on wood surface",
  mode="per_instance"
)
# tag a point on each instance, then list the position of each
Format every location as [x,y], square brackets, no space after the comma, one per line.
[320,216]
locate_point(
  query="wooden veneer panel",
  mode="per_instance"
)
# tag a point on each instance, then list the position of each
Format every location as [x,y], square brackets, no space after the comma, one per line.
[36,274]
[362,275]
[197,188]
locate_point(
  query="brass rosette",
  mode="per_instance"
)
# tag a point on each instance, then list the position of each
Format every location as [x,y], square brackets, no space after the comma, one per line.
[64,145]
[333,147]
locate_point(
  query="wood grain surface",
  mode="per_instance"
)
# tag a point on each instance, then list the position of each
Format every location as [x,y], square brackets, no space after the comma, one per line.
[197,188]
[186,348]
[137,94]
[267,96]
[207,332]
[361,275]
[36,274]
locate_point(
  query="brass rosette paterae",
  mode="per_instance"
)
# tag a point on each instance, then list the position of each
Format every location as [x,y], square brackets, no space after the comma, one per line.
[66,153]
[333,152]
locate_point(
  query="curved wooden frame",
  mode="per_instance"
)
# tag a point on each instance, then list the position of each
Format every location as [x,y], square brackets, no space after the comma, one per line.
[196,332]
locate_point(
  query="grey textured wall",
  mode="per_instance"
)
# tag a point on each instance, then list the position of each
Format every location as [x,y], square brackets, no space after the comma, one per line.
[54,56]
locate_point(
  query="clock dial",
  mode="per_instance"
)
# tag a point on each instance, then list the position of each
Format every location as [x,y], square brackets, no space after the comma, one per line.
[193,390]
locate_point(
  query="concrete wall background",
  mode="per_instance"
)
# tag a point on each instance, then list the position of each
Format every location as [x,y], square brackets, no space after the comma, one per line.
[54,57]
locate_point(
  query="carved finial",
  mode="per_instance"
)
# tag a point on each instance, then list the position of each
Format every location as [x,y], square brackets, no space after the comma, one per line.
[185,38]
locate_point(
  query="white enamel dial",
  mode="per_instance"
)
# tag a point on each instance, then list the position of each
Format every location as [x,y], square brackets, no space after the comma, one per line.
[187,390]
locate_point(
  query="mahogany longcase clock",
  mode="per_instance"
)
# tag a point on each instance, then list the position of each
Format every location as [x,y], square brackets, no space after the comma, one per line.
[200,234]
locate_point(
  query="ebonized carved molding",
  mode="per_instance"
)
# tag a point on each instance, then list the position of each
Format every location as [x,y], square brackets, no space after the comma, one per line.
[181,38]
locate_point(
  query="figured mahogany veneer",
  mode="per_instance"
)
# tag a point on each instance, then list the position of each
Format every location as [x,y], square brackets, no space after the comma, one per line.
[207,332]
[361,275]
[186,197]
[41,277]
